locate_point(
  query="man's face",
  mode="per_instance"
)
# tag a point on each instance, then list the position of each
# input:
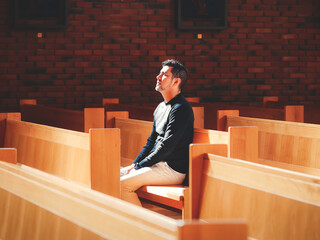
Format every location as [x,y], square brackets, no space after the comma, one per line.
[164,79]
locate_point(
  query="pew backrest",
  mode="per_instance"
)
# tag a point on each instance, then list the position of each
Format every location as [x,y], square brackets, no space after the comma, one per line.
[282,141]
[311,110]
[287,113]
[64,118]
[92,159]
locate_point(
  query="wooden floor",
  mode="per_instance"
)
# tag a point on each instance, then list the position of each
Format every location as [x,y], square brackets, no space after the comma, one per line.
[164,210]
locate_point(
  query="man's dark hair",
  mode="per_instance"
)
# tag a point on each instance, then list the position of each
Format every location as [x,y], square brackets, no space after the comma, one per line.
[178,70]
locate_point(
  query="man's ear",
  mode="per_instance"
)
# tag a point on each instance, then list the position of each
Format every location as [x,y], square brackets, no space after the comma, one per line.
[177,81]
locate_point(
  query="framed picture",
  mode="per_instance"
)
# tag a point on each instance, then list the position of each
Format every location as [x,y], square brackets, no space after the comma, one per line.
[38,14]
[202,14]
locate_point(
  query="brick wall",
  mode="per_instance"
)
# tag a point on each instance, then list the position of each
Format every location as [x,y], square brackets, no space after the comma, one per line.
[114,49]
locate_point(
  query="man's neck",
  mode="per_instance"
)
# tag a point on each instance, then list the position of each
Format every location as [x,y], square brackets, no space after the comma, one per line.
[169,95]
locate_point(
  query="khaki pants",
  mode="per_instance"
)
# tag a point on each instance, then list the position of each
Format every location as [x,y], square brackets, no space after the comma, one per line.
[159,174]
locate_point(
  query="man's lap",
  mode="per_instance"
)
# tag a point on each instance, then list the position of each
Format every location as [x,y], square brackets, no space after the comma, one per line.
[159,174]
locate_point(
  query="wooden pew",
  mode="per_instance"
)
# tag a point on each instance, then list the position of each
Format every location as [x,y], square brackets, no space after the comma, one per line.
[276,203]
[238,142]
[268,99]
[8,155]
[290,145]
[287,113]
[63,118]
[311,111]
[193,99]
[37,205]
[146,112]
[92,159]
[3,116]
[134,135]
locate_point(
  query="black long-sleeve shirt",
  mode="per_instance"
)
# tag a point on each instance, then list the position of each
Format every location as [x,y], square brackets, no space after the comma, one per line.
[170,137]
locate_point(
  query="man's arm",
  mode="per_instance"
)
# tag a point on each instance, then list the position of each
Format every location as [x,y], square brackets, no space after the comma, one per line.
[145,151]
[179,119]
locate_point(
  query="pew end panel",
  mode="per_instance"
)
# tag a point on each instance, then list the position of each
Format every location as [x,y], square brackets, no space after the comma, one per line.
[111,115]
[221,118]
[220,230]
[8,155]
[105,160]
[93,118]
[196,152]
[198,117]
[3,117]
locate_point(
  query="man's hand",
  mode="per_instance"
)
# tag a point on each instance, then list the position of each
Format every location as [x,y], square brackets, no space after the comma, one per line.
[126,170]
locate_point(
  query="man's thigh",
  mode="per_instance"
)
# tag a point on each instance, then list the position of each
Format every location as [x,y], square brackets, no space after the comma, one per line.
[159,174]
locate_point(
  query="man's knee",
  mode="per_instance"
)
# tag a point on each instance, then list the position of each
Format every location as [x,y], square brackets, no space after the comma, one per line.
[127,186]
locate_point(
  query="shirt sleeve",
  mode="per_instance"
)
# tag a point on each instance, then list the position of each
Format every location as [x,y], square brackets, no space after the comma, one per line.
[145,151]
[177,124]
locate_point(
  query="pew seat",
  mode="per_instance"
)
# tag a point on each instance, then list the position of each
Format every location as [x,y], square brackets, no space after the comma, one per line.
[172,196]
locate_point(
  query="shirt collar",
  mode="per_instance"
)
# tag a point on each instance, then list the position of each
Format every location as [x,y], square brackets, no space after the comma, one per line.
[174,100]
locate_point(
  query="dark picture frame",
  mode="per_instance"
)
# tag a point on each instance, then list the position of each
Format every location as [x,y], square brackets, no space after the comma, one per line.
[202,14]
[40,14]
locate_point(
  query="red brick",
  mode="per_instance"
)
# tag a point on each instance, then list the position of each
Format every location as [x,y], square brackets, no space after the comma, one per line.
[289,36]
[290,58]
[264,30]
[82,52]
[64,52]
[256,70]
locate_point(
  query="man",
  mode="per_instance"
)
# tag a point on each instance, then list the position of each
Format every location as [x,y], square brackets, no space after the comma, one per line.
[164,160]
